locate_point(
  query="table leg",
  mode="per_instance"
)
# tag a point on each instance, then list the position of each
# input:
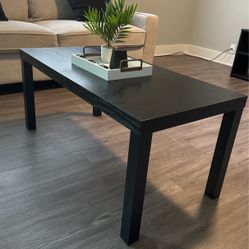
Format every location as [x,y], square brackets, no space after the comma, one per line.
[96,112]
[224,145]
[28,91]
[138,160]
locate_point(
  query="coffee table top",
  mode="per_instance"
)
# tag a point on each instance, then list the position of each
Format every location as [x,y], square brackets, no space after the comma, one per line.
[156,100]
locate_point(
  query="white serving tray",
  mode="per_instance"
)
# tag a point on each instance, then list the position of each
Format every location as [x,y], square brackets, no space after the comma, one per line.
[101,69]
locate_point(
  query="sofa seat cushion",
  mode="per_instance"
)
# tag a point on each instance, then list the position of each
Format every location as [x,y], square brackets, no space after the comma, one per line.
[73,33]
[18,34]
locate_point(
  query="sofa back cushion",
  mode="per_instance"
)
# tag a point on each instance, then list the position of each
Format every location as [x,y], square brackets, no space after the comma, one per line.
[15,9]
[49,10]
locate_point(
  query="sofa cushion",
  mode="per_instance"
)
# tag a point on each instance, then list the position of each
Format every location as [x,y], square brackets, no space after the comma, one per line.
[80,6]
[18,34]
[50,10]
[73,33]
[15,9]
[2,15]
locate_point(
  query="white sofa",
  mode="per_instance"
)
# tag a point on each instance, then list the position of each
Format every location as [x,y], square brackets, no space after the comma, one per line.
[51,23]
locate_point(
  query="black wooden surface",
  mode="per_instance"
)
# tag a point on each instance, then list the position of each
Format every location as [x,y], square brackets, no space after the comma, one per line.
[17,87]
[28,92]
[227,134]
[143,105]
[164,100]
[96,112]
[240,67]
[137,168]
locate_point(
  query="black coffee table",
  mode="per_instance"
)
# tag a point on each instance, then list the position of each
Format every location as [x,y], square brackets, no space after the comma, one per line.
[143,105]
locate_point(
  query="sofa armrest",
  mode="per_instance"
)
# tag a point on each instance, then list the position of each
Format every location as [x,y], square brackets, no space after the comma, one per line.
[149,23]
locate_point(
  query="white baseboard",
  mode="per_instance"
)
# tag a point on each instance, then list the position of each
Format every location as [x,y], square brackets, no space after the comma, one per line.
[206,53]
[170,49]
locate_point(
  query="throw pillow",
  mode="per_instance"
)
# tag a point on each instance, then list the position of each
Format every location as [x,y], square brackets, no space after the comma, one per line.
[80,6]
[2,15]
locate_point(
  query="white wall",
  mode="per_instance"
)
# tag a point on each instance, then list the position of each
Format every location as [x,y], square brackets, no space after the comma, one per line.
[213,24]
[217,23]
[175,18]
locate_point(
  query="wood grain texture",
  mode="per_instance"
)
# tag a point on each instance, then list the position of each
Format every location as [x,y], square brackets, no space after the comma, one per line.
[61,187]
[150,103]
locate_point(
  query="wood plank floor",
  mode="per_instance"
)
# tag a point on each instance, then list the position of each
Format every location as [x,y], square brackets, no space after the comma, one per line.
[61,187]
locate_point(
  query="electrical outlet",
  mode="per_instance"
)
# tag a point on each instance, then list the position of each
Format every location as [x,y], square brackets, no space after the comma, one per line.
[232,48]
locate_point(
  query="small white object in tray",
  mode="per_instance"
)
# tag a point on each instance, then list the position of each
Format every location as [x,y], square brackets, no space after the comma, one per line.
[94,65]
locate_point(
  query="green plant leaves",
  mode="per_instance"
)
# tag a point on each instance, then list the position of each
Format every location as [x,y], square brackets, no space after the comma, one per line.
[111,24]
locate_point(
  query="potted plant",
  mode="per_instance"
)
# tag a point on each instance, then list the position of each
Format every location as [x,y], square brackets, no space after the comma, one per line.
[111,24]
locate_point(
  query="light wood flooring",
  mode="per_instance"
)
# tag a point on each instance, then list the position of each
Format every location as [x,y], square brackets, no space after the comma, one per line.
[61,187]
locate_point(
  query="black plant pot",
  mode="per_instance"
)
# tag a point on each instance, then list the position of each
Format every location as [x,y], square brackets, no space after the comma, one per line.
[117,57]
